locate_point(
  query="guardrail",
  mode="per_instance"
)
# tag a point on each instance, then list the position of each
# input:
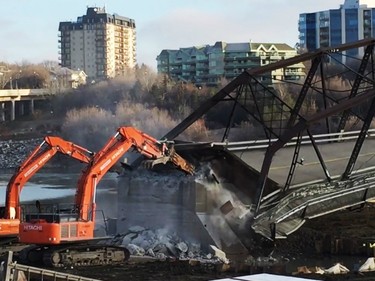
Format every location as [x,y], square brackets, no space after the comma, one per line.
[25,92]
[322,138]
[315,201]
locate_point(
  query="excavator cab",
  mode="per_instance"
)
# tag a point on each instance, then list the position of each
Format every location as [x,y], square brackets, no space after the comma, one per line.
[51,213]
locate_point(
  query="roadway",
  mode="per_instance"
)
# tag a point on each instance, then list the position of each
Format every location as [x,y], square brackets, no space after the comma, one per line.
[335,155]
[24,94]
[310,194]
[335,149]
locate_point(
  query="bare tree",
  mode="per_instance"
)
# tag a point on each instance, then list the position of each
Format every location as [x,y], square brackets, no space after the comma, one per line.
[89,127]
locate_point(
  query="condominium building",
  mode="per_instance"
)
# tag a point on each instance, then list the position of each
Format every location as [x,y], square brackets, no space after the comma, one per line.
[100,44]
[351,22]
[207,65]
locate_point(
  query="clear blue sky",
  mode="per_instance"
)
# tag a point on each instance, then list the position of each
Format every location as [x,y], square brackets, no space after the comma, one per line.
[29,28]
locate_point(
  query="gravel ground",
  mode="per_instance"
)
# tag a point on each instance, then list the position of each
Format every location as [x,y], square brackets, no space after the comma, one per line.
[183,270]
[13,152]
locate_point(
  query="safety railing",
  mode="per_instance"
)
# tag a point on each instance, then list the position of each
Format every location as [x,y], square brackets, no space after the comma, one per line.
[12,271]
[321,138]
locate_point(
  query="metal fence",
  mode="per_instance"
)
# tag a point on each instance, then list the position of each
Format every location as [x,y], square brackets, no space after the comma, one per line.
[12,271]
[322,138]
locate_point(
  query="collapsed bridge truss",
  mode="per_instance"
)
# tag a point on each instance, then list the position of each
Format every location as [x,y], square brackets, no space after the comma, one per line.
[337,94]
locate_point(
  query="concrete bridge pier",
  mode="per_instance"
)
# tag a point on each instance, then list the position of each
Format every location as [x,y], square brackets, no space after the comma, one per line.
[158,202]
[20,102]
[10,110]
[20,108]
[192,206]
[13,110]
[31,106]
[2,111]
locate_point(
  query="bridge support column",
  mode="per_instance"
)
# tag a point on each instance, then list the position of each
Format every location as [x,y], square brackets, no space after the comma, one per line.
[2,112]
[13,111]
[21,108]
[31,107]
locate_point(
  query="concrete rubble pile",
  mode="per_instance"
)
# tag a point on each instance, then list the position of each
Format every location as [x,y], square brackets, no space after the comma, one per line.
[335,269]
[12,153]
[161,245]
[367,266]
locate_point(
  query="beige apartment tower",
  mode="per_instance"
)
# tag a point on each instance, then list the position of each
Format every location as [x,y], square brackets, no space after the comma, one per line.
[100,44]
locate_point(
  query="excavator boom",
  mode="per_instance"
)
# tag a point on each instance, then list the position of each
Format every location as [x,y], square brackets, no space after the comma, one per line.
[110,154]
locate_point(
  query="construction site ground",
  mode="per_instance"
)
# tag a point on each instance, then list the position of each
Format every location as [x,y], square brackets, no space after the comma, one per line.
[338,237]
[185,271]
[343,237]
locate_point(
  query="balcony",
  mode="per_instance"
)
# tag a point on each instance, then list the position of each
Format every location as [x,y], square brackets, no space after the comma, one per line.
[201,68]
[230,66]
[176,71]
[175,63]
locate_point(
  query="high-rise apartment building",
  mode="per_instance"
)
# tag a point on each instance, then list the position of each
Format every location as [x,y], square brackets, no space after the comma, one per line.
[100,44]
[350,23]
[207,65]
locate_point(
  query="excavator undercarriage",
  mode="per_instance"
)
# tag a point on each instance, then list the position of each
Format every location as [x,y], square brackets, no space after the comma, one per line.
[89,254]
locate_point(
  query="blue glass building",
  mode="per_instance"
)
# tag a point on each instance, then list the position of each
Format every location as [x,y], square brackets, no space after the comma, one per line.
[351,22]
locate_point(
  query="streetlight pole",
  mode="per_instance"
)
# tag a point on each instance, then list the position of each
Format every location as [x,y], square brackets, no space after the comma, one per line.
[18,75]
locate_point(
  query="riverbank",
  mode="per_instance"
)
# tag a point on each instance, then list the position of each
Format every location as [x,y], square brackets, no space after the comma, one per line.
[14,152]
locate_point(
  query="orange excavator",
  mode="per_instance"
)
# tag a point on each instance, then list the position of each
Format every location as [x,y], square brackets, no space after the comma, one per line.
[66,236]
[10,220]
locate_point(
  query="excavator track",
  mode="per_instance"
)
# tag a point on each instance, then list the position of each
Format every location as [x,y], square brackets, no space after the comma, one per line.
[77,256]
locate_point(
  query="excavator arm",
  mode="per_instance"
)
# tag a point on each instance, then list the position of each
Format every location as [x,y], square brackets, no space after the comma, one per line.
[34,162]
[160,152]
[125,139]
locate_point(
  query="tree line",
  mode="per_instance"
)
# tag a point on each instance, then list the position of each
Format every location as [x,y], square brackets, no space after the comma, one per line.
[148,101]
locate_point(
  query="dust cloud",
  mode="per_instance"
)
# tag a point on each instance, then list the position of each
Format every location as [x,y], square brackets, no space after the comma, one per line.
[224,202]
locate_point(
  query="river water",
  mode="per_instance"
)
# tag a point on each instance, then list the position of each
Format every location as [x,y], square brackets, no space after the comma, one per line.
[60,186]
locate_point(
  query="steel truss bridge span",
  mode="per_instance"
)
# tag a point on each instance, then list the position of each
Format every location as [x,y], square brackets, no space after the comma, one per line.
[337,95]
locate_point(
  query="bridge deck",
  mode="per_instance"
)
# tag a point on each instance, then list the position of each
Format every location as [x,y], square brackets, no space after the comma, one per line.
[310,194]
[335,155]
